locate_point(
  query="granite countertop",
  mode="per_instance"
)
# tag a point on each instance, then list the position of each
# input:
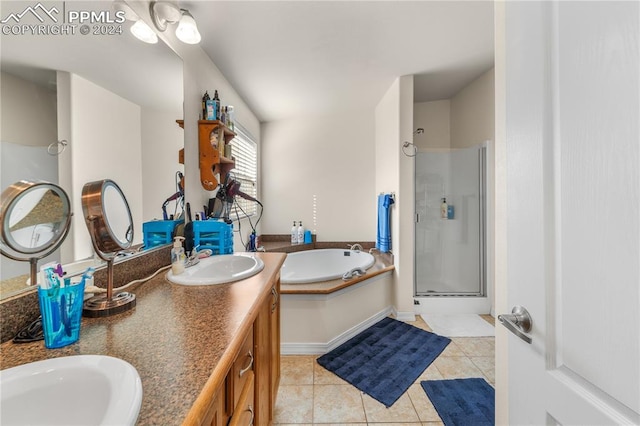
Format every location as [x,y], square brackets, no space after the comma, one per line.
[176,337]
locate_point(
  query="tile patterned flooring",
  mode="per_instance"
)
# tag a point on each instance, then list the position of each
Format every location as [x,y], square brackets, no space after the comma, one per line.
[311,395]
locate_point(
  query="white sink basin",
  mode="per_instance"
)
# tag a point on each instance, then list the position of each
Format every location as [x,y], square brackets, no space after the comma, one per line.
[72,390]
[220,269]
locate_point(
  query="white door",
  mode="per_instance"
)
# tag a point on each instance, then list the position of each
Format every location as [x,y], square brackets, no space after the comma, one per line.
[573,210]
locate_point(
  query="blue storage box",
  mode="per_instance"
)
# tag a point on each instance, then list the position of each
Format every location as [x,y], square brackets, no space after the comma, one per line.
[158,232]
[214,235]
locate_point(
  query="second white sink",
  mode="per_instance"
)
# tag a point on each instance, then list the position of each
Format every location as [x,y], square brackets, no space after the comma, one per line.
[71,390]
[219,270]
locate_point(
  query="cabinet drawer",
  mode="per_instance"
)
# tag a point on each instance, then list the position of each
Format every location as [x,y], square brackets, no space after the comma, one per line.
[242,366]
[243,414]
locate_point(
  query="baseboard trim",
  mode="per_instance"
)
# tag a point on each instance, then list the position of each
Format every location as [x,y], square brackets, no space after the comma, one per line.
[322,348]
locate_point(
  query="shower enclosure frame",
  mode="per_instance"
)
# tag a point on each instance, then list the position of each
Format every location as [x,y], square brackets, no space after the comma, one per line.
[482,236]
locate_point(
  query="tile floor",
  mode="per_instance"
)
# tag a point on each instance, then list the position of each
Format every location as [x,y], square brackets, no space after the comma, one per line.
[311,395]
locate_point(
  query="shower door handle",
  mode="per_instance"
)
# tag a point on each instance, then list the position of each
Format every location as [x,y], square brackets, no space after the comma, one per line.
[518,322]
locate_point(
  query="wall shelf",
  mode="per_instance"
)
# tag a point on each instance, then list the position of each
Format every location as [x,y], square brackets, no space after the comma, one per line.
[213,137]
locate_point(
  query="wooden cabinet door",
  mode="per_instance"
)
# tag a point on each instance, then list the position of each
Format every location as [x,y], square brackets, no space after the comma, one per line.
[217,415]
[262,366]
[274,326]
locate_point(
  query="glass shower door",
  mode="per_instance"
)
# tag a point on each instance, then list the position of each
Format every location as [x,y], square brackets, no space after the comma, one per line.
[450,252]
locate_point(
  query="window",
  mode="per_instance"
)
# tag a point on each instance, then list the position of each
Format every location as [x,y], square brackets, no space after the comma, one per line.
[245,151]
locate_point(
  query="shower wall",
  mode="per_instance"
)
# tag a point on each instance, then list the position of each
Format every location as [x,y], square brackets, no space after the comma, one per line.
[450,253]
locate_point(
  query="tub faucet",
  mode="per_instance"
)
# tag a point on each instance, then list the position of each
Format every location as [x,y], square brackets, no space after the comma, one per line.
[355,272]
[356,247]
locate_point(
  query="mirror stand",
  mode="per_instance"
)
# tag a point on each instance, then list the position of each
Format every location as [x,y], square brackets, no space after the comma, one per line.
[108,220]
[104,305]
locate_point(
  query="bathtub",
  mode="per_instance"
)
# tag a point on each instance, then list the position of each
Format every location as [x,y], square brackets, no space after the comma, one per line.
[312,266]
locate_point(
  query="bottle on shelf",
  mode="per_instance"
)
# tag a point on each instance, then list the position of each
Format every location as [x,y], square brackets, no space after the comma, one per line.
[294,233]
[205,98]
[216,105]
[231,118]
[300,235]
[444,209]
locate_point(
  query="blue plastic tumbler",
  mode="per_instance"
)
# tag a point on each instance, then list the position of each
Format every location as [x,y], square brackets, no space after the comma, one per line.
[61,309]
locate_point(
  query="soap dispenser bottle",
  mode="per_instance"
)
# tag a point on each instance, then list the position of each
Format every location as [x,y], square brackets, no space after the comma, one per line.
[294,233]
[444,209]
[300,234]
[178,258]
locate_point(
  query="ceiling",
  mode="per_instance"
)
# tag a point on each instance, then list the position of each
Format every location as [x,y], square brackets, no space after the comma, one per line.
[285,58]
[295,58]
[147,74]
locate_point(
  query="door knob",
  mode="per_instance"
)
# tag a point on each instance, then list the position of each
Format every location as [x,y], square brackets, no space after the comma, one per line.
[518,322]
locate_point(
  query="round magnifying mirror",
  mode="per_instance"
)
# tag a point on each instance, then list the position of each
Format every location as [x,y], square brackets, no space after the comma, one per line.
[35,219]
[108,216]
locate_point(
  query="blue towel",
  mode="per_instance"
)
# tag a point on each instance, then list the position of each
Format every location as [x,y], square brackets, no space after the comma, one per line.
[383,241]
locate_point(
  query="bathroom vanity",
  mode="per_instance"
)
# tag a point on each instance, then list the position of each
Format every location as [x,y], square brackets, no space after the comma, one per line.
[206,355]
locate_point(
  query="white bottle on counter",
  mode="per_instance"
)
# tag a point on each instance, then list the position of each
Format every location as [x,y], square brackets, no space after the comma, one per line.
[178,258]
[300,237]
[294,233]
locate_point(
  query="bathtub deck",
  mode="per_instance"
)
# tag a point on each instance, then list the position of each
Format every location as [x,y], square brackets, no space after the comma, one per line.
[383,263]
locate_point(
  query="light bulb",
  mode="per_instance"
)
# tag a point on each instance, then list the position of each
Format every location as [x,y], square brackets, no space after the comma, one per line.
[143,32]
[187,30]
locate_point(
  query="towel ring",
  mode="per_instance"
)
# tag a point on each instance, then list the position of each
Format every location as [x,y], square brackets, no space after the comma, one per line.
[407,145]
[57,148]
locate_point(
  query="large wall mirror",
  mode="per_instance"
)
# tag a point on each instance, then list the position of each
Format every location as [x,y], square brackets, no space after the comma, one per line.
[111,101]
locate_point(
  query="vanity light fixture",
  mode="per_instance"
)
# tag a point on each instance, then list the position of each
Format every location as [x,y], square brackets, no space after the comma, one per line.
[164,13]
[187,30]
[139,29]
[143,32]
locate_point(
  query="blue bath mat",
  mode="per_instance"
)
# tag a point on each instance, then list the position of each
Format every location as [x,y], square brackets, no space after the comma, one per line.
[385,359]
[462,402]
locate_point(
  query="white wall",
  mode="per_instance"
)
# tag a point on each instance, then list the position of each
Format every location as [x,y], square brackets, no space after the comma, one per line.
[434,118]
[472,112]
[28,112]
[104,135]
[162,138]
[331,157]
[394,173]
[23,151]
[200,74]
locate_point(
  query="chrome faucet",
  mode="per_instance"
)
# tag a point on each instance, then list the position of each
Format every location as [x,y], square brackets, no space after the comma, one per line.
[355,247]
[195,256]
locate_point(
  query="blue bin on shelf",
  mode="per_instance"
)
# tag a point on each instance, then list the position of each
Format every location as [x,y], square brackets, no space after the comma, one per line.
[214,235]
[159,232]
